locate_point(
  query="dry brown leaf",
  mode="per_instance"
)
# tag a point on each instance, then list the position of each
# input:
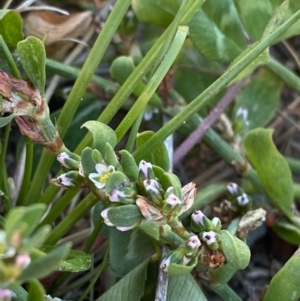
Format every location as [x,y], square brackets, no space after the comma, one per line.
[59,29]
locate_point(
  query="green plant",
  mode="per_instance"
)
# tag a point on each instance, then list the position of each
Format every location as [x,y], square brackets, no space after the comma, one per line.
[135,198]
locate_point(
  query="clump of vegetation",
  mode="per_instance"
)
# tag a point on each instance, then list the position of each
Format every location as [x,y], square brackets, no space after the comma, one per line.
[118,209]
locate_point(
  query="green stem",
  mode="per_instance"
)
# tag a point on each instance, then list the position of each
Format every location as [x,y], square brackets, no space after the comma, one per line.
[96,276]
[49,193]
[27,172]
[9,58]
[93,236]
[173,239]
[153,83]
[134,131]
[77,93]
[72,73]
[65,225]
[286,75]
[139,72]
[212,90]
[58,208]
[3,173]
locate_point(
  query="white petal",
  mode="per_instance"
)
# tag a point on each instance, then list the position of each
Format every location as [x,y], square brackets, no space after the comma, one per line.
[101,169]
[123,229]
[104,216]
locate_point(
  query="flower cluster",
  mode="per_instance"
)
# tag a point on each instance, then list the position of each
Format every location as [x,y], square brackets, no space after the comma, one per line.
[149,197]
[238,197]
[185,255]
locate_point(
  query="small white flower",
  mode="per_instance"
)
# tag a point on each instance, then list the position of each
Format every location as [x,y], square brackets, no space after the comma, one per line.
[62,157]
[173,200]
[197,217]
[232,188]
[243,199]
[144,167]
[103,173]
[152,185]
[194,242]
[65,181]
[23,260]
[209,237]
[105,218]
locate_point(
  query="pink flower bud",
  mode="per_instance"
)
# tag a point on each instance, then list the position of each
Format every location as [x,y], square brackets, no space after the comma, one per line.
[152,185]
[23,260]
[5,295]
[173,200]
[144,167]
[232,188]
[197,217]
[194,242]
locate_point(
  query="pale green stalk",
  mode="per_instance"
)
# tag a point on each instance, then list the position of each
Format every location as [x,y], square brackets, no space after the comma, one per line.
[66,224]
[153,84]
[77,93]
[212,90]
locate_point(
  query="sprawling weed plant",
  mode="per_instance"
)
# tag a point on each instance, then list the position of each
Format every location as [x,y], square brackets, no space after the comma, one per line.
[159,243]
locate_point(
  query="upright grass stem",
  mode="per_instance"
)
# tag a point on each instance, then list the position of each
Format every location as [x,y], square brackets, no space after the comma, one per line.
[139,72]
[73,101]
[212,90]
[153,84]
[3,173]
[65,225]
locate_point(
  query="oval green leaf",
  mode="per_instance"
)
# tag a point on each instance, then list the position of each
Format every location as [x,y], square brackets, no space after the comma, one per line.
[36,291]
[217,32]
[5,120]
[130,287]
[33,59]
[287,232]
[285,285]
[11,27]
[115,180]
[102,134]
[271,167]
[45,265]
[236,252]
[180,287]
[129,165]
[260,97]
[159,12]
[124,216]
